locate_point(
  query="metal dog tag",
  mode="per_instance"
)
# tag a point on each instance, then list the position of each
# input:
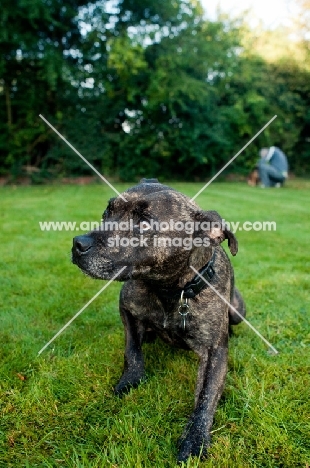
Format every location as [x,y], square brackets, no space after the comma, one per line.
[183,309]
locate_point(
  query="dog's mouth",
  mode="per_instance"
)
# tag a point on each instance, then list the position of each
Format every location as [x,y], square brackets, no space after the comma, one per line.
[99,269]
[105,272]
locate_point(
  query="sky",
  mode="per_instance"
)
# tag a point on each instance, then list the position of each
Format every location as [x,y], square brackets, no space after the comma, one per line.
[271,12]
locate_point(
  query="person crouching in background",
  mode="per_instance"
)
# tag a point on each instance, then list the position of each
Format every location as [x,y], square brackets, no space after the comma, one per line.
[272,167]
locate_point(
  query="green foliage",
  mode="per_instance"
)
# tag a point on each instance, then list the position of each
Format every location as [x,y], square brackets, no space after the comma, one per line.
[259,91]
[143,88]
[37,41]
[58,409]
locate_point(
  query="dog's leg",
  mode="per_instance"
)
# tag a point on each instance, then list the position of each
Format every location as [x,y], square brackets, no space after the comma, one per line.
[133,360]
[238,303]
[210,383]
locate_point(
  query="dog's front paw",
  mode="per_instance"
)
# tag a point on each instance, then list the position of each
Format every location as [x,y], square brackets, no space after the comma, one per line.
[127,381]
[194,444]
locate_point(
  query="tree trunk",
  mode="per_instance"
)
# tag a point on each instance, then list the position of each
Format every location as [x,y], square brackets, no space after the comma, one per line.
[8,104]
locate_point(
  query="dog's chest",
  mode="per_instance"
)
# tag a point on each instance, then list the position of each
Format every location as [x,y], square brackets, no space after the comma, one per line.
[186,328]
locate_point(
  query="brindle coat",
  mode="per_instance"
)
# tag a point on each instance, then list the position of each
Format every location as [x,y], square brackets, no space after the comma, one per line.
[145,307]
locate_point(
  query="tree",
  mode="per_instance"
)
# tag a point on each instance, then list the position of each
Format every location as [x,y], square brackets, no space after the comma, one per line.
[144,88]
[161,85]
[38,44]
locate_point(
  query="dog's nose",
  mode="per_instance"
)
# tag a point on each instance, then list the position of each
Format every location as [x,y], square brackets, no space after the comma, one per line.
[82,243]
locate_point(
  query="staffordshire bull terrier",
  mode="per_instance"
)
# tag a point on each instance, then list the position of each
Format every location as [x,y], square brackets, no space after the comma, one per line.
[159,234]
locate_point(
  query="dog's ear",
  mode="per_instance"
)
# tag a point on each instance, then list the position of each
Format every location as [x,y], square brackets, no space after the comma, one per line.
[215,228]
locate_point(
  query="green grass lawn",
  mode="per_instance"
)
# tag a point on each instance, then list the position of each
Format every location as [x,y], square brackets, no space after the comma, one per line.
[58,409]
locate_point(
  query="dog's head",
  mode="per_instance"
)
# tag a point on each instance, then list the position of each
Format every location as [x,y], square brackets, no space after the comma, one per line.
[154,234]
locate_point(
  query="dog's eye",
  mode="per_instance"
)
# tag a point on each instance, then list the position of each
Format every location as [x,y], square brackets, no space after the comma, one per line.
[144,226]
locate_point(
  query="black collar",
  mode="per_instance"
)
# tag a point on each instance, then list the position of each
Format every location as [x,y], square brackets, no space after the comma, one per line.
[197,284]
[193,287]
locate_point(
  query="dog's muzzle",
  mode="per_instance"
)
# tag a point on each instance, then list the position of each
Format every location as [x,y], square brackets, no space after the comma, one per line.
[85,255]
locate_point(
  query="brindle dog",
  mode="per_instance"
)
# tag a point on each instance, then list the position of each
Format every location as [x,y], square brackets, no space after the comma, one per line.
[156,273]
